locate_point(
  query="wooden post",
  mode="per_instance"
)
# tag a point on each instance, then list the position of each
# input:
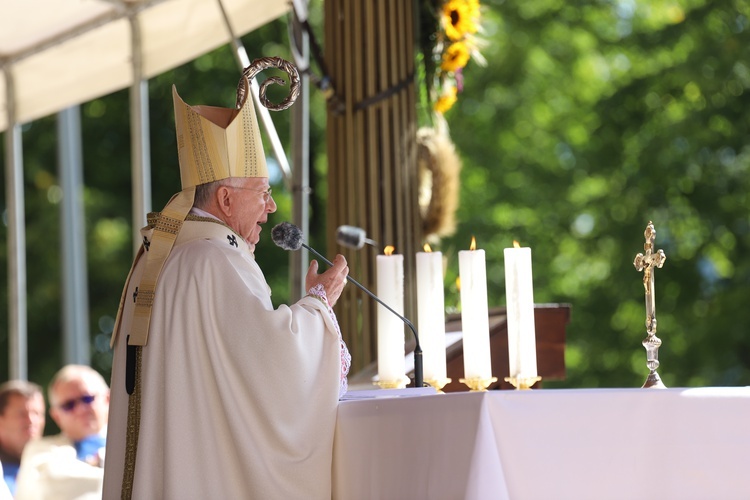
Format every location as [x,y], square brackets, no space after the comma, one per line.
[372,164]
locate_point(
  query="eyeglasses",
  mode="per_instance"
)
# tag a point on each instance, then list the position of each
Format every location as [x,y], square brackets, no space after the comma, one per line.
[71,404]
[266,192]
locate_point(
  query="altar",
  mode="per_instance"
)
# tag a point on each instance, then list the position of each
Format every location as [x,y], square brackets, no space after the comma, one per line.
[544,444]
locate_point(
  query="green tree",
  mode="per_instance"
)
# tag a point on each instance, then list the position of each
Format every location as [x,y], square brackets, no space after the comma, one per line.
[591,119]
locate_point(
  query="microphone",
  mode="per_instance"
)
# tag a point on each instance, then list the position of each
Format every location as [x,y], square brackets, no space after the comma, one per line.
[289,237]
[353,237]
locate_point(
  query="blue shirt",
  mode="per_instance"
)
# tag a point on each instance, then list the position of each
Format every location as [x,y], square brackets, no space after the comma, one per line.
[87,449]
[10,471]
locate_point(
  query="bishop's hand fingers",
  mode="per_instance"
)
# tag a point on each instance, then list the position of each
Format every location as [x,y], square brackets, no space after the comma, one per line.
[333,280]
[311,278]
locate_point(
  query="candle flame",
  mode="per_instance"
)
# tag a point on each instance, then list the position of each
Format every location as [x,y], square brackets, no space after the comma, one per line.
[389,250]
[473,245]
[427,247]
[516,244]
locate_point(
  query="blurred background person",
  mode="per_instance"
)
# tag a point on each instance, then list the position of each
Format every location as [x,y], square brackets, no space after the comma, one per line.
[22,418]
[4,490]
[70,464]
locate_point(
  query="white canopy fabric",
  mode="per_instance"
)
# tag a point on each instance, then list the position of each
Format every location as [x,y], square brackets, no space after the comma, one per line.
[59,53]
[55,54]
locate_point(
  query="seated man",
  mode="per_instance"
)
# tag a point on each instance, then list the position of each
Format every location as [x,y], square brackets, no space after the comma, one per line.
[4,490]
[69,465]
[21,420]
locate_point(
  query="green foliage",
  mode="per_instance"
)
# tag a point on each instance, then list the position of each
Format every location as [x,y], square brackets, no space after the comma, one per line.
[591,119]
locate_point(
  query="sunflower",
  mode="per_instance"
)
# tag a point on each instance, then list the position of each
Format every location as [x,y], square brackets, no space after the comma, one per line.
[446,100]
[460,18]
[455,57]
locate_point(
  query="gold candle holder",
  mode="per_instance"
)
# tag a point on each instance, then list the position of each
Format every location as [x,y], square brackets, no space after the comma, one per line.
[399,383]
[522,382]
[438,384]
[478,383]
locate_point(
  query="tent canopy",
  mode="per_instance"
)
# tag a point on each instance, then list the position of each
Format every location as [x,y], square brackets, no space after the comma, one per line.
[57,53]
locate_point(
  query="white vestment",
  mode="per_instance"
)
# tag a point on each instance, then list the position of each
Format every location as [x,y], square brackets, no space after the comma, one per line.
[50,471]
[238,398]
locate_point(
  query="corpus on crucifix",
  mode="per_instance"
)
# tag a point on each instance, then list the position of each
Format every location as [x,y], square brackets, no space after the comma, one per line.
[648,262]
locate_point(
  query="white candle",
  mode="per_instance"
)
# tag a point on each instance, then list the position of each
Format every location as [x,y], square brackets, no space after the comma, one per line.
[519,293]
[474,314]
[431,313]
[391,362]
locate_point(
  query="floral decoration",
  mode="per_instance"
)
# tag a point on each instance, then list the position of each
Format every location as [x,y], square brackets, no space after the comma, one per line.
[453,44]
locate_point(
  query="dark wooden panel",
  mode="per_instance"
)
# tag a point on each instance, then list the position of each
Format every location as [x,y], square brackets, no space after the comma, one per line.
[550,320]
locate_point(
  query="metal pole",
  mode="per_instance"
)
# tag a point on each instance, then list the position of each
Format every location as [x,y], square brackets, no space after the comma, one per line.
[75,295]
[140,147]
[300,43]
[297,181]
[14,194]
[243,61]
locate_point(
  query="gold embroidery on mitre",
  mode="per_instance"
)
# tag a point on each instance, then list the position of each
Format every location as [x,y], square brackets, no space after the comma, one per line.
[200,157]
[251,167]
[216,143]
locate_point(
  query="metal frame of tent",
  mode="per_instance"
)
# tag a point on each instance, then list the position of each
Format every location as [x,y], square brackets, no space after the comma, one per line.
[75,306]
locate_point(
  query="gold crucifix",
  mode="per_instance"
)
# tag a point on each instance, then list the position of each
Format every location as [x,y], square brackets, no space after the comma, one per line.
[647,263]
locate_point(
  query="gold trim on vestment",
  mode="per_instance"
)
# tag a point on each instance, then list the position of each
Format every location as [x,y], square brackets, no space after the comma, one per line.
[133,429]
[167,227]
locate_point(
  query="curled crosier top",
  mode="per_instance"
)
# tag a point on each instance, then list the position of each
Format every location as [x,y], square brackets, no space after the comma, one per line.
[259,65]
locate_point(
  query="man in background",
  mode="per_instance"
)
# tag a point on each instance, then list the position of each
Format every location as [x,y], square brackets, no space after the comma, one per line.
[70,464]
[21,420]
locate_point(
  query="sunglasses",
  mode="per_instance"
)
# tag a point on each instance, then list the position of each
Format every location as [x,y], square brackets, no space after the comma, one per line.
[70,405]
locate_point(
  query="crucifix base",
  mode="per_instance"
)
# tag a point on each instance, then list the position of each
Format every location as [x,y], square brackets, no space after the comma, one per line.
[653,381]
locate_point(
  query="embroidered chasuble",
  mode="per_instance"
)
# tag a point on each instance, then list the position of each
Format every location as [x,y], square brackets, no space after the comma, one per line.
[238,399]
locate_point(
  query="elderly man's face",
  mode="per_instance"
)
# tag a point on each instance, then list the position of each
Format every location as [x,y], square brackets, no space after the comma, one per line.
[80,408]
[22,421]
[250,207]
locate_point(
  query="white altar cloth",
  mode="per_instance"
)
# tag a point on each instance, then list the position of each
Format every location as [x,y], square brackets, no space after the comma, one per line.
[634,444]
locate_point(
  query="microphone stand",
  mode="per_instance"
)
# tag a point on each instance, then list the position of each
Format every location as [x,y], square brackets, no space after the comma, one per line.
[418,377]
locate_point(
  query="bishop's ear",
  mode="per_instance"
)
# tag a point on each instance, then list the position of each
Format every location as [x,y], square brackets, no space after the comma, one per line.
[224,199]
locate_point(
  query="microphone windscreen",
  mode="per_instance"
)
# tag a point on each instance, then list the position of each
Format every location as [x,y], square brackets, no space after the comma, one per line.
[287,236]
[350,236]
